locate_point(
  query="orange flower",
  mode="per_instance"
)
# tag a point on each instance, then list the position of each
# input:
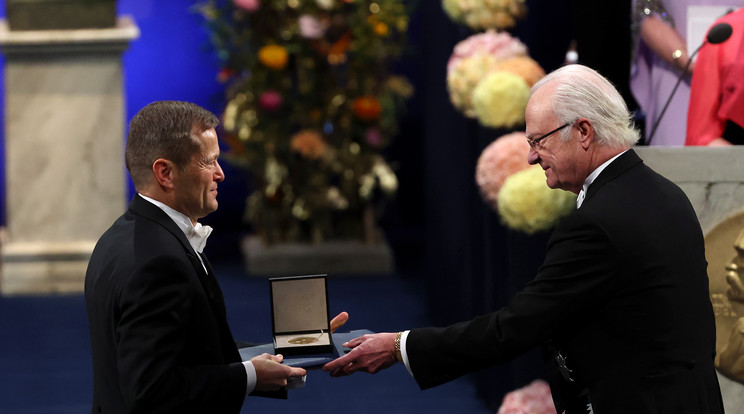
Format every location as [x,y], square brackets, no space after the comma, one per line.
[366,108]
[309,144]
[381,29]
[273,56]
[523,66]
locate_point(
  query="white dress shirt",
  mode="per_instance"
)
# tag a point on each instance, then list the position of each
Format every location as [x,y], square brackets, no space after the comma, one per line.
[593,176]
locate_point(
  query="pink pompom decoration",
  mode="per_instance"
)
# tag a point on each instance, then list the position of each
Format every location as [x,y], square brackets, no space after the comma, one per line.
[270,101]
[500,159]
[248,5]
[500,45]
[532,399]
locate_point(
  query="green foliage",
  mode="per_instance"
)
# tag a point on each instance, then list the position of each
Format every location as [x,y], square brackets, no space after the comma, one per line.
[311,104]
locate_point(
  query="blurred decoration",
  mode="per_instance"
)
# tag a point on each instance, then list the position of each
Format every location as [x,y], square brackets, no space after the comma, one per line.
[527,204]
[501,158]
[489,76]
[311,103]
[497,66]
[485,14]
[499,100]
[534,398]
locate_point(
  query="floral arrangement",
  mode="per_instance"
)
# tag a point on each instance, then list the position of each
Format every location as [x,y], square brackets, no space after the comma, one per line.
[499,100]
[535,398]
[499,160]
[485,14]
[311,104]
[526,204]
[497,66]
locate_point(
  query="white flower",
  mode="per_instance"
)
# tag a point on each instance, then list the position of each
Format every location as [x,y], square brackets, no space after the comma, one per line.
[325,4]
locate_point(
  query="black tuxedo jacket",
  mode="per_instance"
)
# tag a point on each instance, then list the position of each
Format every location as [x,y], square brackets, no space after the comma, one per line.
[623,294]
[159,335]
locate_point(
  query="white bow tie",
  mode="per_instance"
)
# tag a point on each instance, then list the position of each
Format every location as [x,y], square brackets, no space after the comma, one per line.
[580,198]
[198,237]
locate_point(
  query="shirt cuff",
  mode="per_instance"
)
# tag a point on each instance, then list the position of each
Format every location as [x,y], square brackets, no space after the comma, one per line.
[250,372]
[403,353]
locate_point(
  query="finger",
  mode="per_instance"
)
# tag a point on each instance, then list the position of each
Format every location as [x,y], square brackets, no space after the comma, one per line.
[297,372]
[277,358]
[355,342]
[350,368]
[339,320]
[337,363]
[338,373]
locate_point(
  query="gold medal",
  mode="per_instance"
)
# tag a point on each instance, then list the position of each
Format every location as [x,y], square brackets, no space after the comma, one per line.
[302,340]
[724,250]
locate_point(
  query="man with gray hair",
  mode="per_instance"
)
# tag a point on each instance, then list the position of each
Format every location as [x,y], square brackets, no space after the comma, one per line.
[620,305]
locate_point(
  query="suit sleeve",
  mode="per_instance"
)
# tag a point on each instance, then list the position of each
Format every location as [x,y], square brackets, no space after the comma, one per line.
[577,273]
[157,306]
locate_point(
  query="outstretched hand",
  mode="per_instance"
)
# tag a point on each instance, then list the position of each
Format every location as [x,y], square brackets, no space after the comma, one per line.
[369,353]
[271,375]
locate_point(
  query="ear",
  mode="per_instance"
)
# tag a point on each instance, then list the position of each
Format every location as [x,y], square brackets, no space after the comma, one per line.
[586,132]
[164,172]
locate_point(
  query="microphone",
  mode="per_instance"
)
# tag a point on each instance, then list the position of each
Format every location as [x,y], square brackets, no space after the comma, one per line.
[717,34]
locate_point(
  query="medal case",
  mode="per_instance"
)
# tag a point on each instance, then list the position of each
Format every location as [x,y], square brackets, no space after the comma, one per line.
[299,315]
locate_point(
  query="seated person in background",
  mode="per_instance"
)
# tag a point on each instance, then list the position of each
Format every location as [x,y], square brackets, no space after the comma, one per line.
[716,112]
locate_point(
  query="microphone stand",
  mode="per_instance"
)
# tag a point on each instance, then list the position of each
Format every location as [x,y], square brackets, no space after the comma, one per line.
[674,90]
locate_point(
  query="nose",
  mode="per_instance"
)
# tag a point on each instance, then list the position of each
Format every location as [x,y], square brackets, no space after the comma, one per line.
[533,157]
[219,174]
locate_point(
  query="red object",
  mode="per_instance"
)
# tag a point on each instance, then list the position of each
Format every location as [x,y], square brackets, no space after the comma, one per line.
[270,101]
[366,108]
[717,89]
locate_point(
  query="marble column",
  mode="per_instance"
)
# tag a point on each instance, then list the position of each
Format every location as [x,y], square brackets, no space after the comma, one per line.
[64,137]
[713,179]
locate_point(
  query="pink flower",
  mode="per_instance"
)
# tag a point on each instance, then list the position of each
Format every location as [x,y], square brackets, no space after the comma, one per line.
[311,27]
[248,5]
[532,399]
[500,45]
[270,101]
[500,159]
[373,137]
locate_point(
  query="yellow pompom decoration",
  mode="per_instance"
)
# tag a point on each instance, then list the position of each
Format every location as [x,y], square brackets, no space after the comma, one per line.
[500,99]
[463,79]
[528,205]
[273,56]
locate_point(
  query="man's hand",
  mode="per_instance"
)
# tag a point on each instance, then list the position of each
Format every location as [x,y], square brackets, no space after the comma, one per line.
[370,353]
[271,375]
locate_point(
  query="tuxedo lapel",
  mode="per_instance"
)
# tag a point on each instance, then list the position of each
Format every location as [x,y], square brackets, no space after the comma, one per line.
[616,168]
[217,301]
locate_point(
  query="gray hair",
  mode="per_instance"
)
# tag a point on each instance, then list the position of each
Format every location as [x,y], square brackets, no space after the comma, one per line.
[164,129]
[581,92]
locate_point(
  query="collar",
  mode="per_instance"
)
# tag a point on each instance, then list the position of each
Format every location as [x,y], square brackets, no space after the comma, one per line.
[593,176]
[196,235]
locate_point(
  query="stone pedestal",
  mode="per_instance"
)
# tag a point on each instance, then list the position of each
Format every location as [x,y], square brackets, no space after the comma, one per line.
[713,179]
[64,134]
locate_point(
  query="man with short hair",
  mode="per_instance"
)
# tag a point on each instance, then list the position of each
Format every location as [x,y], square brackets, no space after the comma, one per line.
[159,333]
[620,305]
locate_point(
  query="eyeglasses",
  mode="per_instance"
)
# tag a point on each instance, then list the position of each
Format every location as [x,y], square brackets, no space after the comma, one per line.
[534,141]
